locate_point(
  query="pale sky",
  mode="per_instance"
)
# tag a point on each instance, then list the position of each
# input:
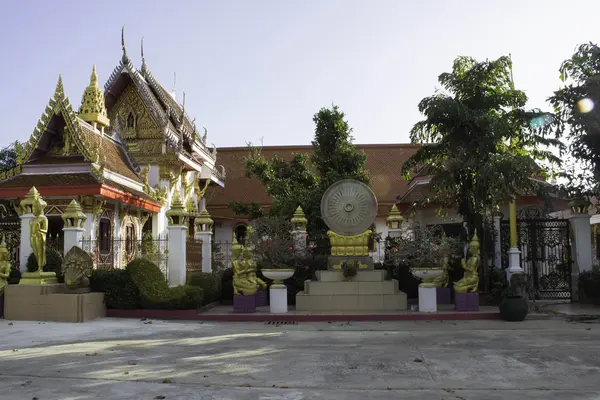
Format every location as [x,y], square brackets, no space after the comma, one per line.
[262,68]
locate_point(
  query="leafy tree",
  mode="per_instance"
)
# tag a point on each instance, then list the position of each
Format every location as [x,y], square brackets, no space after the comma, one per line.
[577,108]
[303,179]
[8,156]
[480,145]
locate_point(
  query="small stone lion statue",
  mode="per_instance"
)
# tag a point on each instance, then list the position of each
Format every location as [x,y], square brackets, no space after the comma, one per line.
[77,268]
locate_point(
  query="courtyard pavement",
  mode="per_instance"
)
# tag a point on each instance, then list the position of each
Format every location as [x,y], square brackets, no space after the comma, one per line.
[461,360]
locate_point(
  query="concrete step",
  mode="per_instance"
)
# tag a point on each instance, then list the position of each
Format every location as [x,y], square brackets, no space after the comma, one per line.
[351,302]
[361,276]
[351,287]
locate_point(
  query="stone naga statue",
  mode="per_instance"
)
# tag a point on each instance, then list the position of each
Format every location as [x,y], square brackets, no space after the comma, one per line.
[39,230]
[4,266]
[470,281]
[77,268]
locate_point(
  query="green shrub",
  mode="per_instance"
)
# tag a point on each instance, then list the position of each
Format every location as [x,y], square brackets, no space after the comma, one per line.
[155,292]
[15,276]
[119,290]
[54,262]
[210,284]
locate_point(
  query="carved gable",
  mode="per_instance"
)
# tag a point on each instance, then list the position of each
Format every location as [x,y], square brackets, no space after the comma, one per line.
[134,117]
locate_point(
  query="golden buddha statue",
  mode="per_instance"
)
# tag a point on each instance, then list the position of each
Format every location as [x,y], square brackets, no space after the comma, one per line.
[470,281]
[243,284]
[443,280]
[38,232]
[4,266]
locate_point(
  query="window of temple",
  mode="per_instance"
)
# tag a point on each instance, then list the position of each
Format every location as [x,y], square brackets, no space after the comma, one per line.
[104,235]
[130,120]
[240,232]
[129,238]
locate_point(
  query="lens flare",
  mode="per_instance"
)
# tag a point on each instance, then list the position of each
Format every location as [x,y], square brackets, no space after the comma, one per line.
[585,105]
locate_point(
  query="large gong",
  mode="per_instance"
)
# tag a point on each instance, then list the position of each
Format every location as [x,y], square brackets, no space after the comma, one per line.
[349,207]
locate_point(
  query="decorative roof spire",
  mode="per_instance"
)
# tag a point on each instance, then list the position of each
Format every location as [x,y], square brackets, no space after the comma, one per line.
[59,92]
[92,108]
[125,58]
[144,67]
[174,92]
[182,110]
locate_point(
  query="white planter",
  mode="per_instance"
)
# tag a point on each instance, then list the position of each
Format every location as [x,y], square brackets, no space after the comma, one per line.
[278,291]
[427,275]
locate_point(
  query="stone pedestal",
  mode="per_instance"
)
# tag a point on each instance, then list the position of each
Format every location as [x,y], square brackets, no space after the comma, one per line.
[514,263]
[444,295]
[51,303]
[368,291]
[176,262]
[244,304]
[72,237]
[582,232]
[427,300]
[335,262]
[25,248]
[206,238]
[38,277]
[262,298]
[466,301]
[278,297]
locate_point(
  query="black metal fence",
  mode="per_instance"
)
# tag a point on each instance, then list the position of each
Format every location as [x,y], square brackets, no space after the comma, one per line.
[117,253]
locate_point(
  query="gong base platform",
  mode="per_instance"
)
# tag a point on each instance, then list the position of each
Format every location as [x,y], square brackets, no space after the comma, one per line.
[334,263]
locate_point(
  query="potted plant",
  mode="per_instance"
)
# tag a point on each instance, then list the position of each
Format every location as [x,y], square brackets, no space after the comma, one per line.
[514,306]
[349,270]
[273,249]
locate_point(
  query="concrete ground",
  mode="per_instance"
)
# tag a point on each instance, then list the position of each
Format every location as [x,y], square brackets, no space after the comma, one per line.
[133,359]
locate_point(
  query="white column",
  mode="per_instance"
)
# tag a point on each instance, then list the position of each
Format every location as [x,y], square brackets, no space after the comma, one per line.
[427,299]
[119,249]
[25,247]
[582,233]
[498,241]
[206,238]
[176,263]
[90,226]
[159,223]
[72,237]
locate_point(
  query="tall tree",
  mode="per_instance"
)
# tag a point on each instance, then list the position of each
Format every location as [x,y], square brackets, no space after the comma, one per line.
[577,108]
[303,179]
[479,143]
[8,156]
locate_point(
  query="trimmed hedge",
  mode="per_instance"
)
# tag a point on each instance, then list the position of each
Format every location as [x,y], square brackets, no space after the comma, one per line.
[210,282]
[119,290]
[155,293]
[54,262]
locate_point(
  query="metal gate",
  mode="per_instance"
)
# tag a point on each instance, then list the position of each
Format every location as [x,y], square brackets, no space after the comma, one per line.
[10,230]
[545,246]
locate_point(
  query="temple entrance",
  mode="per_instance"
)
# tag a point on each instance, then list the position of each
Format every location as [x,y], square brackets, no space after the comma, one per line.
[545,246]
[10,228]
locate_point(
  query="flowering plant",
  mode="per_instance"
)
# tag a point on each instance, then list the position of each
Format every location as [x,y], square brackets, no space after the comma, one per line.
[272,243]
[421,247]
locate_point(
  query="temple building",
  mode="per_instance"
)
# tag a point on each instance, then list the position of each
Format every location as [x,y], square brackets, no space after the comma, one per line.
[123,154]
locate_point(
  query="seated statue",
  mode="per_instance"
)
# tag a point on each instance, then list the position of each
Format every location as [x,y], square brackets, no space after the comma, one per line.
[249,266]
[77,268]
[442,280]
[4,266]
[243,284]
[470,281]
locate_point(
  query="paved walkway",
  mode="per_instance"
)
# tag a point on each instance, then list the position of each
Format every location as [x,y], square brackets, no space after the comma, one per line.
[133,359]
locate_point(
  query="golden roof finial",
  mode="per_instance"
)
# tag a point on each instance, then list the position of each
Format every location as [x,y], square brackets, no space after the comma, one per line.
[92,108]
[59,92]
[144,68]
[94,77]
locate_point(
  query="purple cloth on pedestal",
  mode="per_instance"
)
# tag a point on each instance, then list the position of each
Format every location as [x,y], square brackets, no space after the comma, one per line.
[244,304]
[466,301]
[443,296]
[262,298]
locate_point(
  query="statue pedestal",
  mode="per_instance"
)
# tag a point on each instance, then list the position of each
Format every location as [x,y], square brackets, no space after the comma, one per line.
[444,296]
[38,278]
[51,303]
[244,304]
[427,300]
[262,298]
[466,301]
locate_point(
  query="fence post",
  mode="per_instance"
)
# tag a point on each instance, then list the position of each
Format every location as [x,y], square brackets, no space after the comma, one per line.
[204,224]
[177,228]
[73,218]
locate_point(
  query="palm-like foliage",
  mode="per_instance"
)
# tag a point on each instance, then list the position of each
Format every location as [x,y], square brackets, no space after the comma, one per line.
[577,107]
[480,145]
